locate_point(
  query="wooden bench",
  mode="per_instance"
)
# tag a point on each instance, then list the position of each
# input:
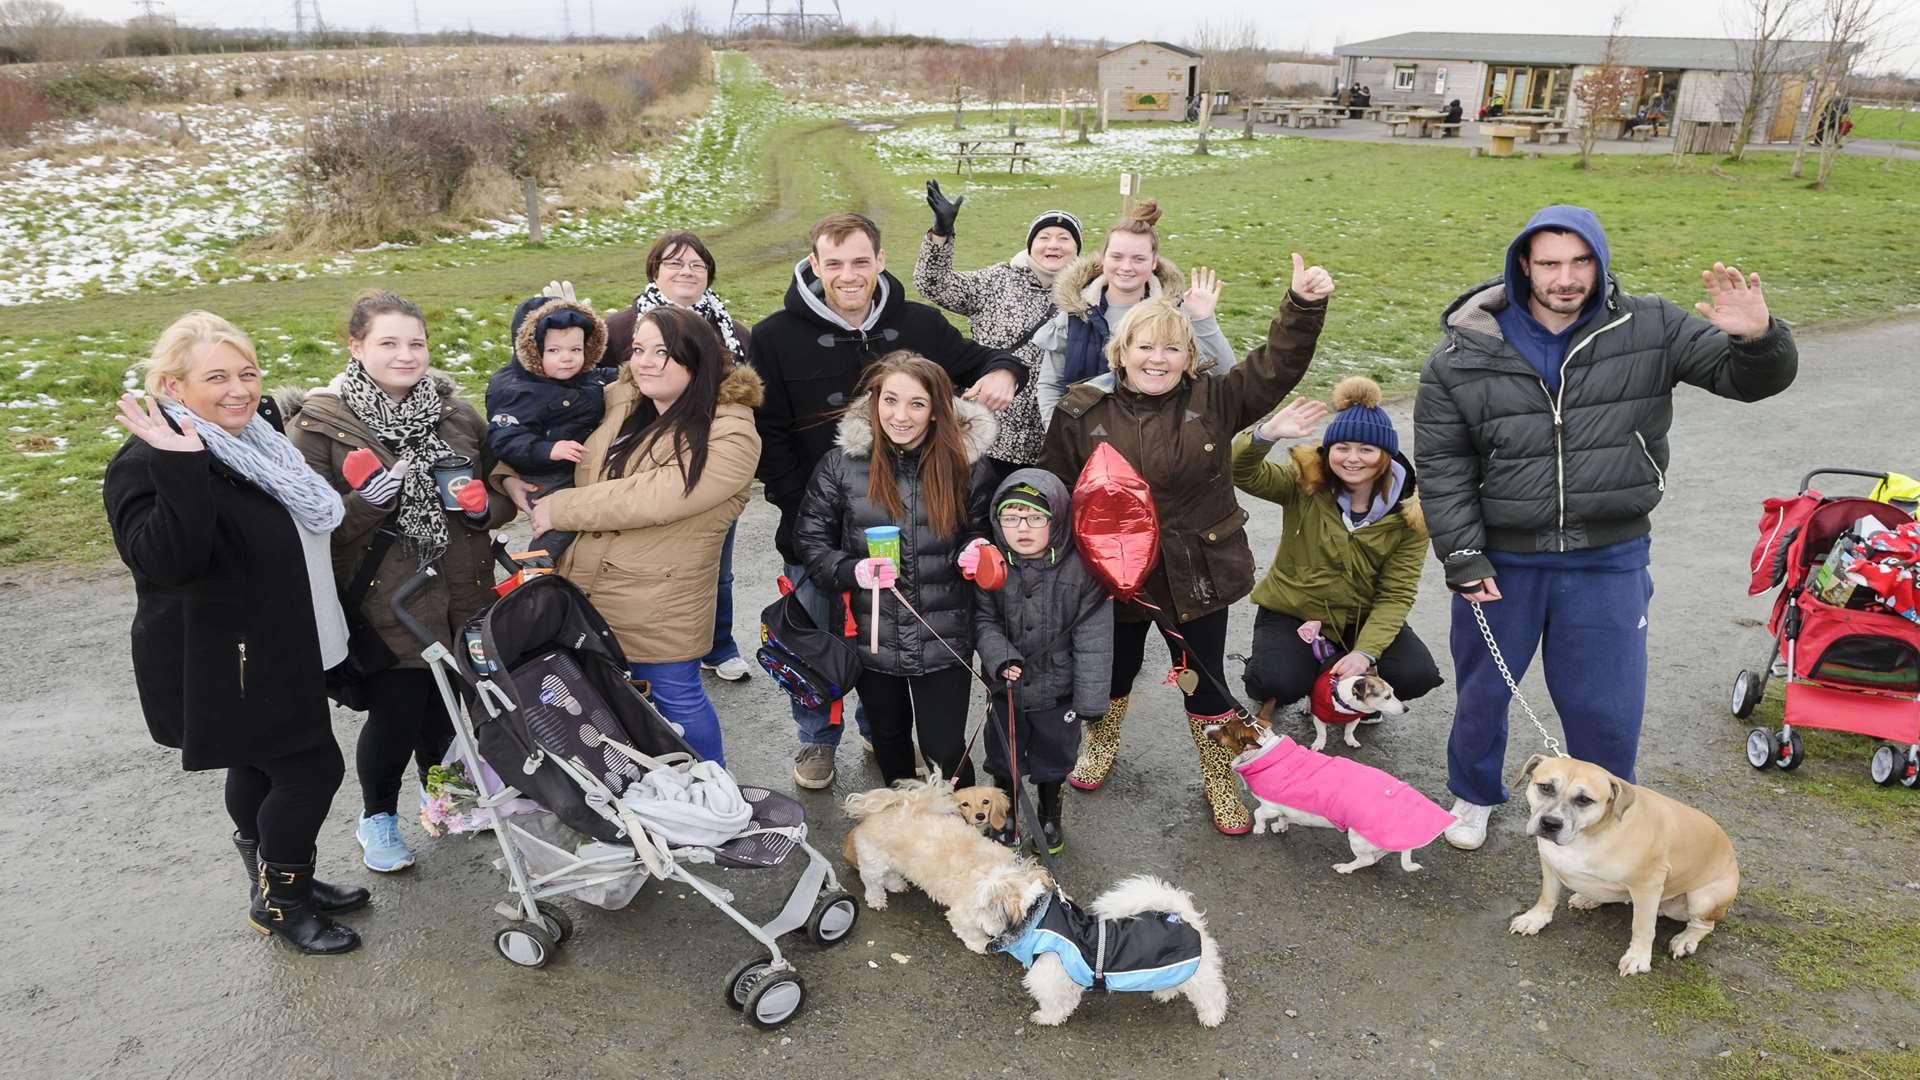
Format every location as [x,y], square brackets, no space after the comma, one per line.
[1372,112]
[1021,162]
[1398,127]
[1444,130]
[1559,133]
[1640,132]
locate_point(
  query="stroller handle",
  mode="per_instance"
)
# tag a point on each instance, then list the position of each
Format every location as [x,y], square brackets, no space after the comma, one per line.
[1806,482]
[402,595]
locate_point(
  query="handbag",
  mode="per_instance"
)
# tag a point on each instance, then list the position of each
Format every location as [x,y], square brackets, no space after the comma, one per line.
[815,667]
[367,652]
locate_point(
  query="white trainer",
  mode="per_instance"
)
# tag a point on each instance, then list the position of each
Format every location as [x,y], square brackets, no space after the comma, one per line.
[732,669]
[1470,830]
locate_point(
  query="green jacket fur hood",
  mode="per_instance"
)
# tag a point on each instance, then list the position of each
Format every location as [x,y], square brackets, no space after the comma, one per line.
[1360,582]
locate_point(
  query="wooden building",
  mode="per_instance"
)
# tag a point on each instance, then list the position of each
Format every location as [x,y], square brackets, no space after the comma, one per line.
[1149,80]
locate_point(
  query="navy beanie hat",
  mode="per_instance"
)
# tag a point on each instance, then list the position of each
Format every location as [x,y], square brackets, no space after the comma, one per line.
[1360,419]
[1053,219]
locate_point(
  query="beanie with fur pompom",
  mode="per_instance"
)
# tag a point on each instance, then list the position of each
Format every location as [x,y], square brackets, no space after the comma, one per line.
[1361,419]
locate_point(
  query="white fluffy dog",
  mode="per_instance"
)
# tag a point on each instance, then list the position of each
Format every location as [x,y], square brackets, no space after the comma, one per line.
[910,835]
[1141,935]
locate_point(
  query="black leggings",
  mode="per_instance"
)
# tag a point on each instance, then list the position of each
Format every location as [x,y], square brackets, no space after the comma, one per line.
[935,705]
[1206,642]
[283,802]
[405,719]
[1282,667]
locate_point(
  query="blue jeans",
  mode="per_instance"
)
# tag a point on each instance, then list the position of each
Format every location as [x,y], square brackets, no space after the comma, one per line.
[723,647]
[1591,628]
[817,727]
[681,697]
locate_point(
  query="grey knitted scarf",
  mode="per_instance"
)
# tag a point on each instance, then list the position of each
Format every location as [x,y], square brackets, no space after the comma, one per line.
[269,462]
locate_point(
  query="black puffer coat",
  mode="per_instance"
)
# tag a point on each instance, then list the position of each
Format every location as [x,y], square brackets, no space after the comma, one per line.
[225,652]
[1505,466]
[831,533]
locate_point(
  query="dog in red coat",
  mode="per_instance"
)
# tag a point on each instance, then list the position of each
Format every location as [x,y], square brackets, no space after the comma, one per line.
[1342,702]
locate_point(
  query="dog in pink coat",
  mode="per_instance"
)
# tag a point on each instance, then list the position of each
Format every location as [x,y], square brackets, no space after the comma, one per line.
[1298,786]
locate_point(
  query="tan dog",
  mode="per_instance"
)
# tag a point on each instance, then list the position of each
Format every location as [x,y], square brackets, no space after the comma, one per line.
[1611,842]
[910,835]
[982,806]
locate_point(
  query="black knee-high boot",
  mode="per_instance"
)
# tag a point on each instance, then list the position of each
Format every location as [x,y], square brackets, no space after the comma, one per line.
[1051,831]
[285,909]
[330,899]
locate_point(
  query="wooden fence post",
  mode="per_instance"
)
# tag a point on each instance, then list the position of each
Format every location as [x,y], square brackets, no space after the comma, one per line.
[1063,114]
[1103,110]
[532,191]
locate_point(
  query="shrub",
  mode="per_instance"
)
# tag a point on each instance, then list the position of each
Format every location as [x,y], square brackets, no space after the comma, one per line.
[21,107]
[83,90]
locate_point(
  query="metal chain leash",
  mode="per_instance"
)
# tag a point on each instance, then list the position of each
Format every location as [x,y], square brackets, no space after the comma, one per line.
[1500,662]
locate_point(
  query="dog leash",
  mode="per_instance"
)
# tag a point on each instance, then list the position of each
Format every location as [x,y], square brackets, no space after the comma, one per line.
[1500,661]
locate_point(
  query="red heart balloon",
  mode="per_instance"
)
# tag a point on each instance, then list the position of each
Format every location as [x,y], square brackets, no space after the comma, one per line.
[1114,522]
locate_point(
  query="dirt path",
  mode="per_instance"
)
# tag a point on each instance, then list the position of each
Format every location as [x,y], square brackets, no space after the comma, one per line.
[127,954]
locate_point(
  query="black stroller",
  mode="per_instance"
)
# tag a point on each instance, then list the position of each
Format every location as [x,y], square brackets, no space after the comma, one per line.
[566,732]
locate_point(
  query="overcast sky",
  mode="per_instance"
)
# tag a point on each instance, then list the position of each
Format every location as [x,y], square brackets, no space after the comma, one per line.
[1315,24]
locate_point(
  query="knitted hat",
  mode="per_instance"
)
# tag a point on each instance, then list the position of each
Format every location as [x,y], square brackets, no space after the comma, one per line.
[1055,219]
[1361,419]
[1025,497]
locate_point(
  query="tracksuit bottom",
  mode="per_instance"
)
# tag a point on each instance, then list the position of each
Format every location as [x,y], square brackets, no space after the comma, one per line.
[934,706]
[1590,628]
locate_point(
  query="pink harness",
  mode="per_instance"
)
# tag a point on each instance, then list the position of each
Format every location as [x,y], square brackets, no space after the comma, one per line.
[1390,813]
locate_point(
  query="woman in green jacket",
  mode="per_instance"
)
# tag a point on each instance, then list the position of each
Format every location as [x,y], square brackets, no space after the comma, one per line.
[1350,552]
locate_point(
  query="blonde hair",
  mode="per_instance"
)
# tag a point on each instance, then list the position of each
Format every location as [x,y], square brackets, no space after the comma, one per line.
[172,356]
[1158,320]
[1139,221]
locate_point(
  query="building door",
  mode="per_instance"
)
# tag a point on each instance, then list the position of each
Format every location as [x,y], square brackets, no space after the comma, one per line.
[1787,110]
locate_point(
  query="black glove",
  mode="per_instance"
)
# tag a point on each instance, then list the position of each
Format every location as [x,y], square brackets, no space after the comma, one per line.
[944,211]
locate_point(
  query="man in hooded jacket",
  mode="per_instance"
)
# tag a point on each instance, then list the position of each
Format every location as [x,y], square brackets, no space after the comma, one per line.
[842,312]
[1541,440]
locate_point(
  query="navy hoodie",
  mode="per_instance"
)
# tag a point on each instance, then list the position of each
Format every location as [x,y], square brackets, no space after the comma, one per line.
[1544,349]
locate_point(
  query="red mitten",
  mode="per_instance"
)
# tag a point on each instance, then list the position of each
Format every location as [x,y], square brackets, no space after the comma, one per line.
[359,465]
[376,484]
[472,498]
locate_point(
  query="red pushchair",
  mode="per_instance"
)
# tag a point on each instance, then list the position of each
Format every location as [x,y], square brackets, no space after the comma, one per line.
[1854,669]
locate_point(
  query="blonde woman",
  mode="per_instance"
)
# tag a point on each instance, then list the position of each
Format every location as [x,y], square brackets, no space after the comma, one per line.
[226,532]
[1177,429]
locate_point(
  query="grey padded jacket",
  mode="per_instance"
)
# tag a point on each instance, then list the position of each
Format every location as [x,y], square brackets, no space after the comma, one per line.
[1505,465]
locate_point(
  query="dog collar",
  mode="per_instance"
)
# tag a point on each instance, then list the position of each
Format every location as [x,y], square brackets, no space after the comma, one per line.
[1025,926]
[1340,704]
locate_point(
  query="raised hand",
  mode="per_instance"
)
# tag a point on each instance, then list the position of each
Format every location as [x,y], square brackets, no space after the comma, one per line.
[152,428]
[1203,294]
[1295,420]
[1734,302]
[376,483]
[561,289]
[1310,282]
[944,209]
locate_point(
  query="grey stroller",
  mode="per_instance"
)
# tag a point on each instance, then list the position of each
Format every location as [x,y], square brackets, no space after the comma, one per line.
[541,696]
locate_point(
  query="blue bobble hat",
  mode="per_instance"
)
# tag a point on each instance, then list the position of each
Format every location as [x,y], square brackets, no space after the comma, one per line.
[1360,419]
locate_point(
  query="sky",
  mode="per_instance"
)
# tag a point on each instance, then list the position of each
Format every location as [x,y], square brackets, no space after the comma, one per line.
[1285,24]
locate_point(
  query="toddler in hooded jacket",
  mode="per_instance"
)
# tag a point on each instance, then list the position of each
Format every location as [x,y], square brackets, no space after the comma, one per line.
[548,397]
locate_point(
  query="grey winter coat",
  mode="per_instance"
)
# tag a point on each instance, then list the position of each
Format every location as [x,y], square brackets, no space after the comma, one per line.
[1077,290]
[1006,303]
[1026,621]
[831,533]
[1506,466]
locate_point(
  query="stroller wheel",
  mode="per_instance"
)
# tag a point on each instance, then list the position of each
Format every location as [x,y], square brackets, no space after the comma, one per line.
[1886,764]
[775,999]
[525,944]
[1762,748]
[558,923]
[833,918]
[742,979]
[1790,753]
[1746,694]
[1910,770]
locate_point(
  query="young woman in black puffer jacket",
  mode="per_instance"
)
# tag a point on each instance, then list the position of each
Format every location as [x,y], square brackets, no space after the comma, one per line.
[924,473]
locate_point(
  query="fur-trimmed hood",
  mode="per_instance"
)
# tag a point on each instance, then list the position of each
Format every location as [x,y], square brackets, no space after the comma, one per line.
[1077,288]
[1313,477]
[528,353]
[978,427]
[740,386]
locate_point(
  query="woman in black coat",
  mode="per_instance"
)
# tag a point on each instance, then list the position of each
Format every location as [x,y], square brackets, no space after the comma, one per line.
[907,454]
[226,532]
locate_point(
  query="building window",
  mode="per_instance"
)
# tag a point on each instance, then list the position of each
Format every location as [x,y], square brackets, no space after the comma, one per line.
[1403,76]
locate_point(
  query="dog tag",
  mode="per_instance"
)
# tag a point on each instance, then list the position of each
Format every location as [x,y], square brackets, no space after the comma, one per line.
[1188,681]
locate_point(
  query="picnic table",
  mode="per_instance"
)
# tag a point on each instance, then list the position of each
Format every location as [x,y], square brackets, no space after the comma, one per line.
[969,151]
[1500,138]
[1413,122]
[1532,123]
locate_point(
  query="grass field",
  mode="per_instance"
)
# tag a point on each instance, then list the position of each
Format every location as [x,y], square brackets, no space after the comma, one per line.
[1901,125]
[1403,229]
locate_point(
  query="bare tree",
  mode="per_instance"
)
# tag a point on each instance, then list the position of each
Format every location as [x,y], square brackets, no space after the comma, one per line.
[1232,61]
[35,28]
[1759,26]
[1609,90]
[1847,27]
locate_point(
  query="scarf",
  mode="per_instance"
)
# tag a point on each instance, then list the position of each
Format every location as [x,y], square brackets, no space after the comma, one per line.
[410,428]
[708,307]
[1024,261]
[269,462]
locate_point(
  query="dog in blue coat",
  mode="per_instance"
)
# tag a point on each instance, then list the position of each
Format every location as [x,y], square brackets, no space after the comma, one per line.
[1142,935]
